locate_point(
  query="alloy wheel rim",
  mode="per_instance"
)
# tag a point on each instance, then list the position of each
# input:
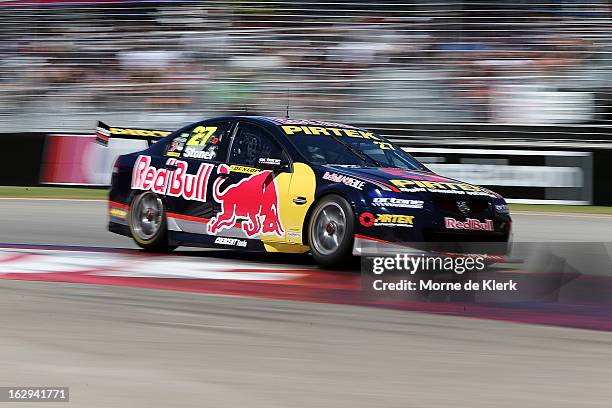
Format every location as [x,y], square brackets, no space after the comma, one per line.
[147,214]
[329,228]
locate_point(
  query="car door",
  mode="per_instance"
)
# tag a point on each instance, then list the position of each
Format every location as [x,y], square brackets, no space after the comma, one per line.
[194,156]
[247,190]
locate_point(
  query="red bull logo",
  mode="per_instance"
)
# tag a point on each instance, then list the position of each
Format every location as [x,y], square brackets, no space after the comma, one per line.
[469,224]
[176,183]
[253,199]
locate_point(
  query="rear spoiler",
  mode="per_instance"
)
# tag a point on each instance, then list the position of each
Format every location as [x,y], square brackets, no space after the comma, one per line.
[104,133]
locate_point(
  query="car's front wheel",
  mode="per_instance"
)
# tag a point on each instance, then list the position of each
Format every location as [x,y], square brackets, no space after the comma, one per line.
[331,231]
[147,222]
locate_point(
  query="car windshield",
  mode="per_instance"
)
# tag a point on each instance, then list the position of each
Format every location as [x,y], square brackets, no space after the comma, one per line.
[343,150]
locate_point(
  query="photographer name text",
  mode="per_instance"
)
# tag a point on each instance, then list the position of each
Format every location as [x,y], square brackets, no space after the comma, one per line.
[470,285]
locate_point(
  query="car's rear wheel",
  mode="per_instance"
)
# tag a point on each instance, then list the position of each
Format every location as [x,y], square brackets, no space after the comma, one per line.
[331,231]
[147,222]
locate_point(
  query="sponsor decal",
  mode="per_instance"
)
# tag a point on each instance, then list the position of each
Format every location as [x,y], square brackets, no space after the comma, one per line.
[269,160]
[366,219]
[195,153]
[103,133]
[117,212]
[175,183]
[341,178]
[414,186]
[176,146]
[484,192]
[397,202]
[243,169]
[201,136]
[328,131]
[285,121]
[385,220]
[414,175]
[469,224]
[253,199]
[463,207]
[393,220]
[242,243]
[139,132]
[294,234]
[502,208]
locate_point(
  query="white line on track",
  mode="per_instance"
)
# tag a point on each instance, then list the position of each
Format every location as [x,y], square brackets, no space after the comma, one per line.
[560,214]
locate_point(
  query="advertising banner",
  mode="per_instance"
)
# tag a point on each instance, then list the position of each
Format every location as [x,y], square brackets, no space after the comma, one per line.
[79,160]
[520,175]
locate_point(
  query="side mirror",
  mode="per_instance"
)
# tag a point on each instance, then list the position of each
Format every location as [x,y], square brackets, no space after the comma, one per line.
[276,165]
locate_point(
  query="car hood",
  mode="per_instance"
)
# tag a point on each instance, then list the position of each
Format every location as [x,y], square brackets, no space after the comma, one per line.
[389,177]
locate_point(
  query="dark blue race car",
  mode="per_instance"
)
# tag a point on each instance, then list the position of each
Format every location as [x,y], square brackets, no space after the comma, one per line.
[294,186]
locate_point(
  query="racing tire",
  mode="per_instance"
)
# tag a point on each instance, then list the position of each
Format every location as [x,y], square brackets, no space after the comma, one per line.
[331,232]
[148,224]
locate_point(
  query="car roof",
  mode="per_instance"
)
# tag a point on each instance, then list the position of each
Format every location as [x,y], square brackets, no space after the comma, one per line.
[278,121]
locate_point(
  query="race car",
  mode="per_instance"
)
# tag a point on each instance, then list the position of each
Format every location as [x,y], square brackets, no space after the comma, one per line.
[286,185]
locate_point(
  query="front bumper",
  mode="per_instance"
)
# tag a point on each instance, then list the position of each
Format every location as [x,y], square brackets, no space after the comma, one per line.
[383,230]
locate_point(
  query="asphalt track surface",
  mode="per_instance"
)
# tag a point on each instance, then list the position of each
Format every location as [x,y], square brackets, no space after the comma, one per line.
[128,347]
[64,222]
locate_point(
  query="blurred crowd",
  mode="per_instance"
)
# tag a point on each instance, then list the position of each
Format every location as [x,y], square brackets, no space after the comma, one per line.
[62,64]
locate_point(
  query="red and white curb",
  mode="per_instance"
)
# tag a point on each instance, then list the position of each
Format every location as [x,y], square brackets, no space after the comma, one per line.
[16,261]
[214,275]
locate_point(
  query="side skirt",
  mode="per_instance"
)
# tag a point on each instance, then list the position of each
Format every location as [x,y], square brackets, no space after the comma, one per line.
[180,238]
[120,229]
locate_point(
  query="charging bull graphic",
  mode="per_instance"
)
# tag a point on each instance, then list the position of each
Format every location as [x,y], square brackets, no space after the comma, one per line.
[254,199]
